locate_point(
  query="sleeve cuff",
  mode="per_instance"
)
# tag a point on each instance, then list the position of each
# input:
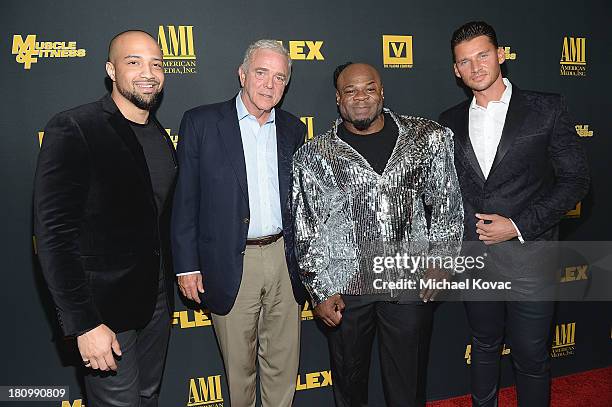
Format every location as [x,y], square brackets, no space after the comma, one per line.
[518,232]
[192,272]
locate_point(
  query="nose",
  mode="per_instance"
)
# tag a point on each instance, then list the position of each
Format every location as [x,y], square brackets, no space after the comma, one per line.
[269,81]
[146,72]
[361,95]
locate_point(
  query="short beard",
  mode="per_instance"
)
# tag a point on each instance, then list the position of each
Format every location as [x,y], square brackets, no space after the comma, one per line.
[364,124]
[138,101]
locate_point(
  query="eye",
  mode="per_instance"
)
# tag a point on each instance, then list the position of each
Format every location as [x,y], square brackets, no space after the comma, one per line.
[483,56]
[259,74]
[280,79]
[349,92]
[371,90]
[132,63]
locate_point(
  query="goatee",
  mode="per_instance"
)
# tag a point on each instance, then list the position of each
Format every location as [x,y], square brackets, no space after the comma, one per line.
[139,101]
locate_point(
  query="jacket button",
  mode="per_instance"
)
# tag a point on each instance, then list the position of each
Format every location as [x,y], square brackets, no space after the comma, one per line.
[245,220]
[156,252]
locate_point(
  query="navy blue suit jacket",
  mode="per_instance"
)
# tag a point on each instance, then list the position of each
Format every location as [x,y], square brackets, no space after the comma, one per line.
[210,218]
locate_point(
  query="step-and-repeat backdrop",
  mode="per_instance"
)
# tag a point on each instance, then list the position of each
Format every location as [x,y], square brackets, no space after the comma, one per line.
[53,56]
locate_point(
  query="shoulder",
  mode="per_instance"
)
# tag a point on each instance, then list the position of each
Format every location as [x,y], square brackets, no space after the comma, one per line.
[291,120]
[209,111]
[452,112]
[541,101]
[317,148]
[80,113]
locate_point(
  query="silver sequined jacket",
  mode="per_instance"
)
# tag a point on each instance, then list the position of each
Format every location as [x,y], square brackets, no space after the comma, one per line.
[346,214]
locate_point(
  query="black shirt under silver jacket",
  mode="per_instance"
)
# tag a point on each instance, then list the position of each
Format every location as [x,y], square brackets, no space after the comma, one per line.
[346,214]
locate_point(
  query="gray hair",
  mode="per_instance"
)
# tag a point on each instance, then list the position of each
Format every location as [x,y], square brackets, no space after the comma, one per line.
[272,45]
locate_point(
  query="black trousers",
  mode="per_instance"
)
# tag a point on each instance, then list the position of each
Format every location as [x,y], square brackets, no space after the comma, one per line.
[528,325]
[138,377]
[404,331]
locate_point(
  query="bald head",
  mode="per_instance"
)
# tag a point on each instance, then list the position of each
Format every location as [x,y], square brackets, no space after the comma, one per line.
[126,38]
[348,72]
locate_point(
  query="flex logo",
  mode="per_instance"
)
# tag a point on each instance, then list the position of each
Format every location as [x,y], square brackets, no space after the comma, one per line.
[308,121]
[302,50]
[314,380]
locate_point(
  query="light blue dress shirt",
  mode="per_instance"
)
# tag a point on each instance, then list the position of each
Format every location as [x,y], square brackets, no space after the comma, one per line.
[260,156]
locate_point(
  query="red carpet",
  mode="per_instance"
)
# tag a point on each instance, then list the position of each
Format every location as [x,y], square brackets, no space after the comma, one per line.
[586,389]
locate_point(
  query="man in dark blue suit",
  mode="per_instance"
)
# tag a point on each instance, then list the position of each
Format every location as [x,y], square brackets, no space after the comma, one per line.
[232,232]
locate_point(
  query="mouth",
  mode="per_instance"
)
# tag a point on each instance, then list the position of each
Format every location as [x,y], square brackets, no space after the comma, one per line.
[265,96]
[146,87]
[479,77]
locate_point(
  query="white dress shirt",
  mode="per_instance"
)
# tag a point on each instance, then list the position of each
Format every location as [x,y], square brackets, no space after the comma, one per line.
[486,124]
[261,159]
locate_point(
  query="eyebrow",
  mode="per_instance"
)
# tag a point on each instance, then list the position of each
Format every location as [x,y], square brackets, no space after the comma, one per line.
[139,57]
[352,85]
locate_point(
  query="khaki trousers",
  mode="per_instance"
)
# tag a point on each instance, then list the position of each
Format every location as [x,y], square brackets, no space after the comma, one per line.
[263,326]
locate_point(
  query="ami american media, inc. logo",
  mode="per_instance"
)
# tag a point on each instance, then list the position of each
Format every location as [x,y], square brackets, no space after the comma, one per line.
[397,51]
[563,343]
[205,391]
[564,340]
[177,45]
[573,57]
[28,51]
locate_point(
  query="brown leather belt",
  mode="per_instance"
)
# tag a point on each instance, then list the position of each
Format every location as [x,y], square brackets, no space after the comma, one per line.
[264,241]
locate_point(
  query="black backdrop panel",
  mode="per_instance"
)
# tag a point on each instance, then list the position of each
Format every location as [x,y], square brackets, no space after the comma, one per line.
[40,79]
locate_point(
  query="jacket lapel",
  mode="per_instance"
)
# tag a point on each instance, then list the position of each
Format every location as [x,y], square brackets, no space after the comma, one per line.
[229,133]
[512,125]
[284,154]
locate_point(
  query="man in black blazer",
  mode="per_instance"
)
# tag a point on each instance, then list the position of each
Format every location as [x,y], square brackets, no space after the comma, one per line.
[232,232]
[520,167]
[102,203]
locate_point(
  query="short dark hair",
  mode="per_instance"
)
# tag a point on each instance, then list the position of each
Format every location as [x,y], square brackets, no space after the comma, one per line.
[472,30]
[338,71]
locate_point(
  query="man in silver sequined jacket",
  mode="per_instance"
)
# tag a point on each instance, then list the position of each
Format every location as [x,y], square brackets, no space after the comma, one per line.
[374,190]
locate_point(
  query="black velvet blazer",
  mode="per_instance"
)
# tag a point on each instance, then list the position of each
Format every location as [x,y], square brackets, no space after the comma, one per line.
[99,236]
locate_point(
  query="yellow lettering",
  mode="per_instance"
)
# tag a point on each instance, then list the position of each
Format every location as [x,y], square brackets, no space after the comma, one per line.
[314,48]
[581,272]
[312,380]
[398,47]
[25,50]
[296,50]
[308,121]
[569,274]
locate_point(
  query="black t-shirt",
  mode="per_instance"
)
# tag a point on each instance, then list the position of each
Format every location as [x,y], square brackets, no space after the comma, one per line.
[377,147]
[159,159]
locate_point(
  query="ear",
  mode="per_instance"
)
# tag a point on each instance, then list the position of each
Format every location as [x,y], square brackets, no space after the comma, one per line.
[382,92]
[337,97]
[241,76]
[457,74]
[110,70]
[501,55]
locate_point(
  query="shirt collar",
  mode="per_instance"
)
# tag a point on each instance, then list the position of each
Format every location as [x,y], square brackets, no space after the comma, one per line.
[242,111]
[505,97]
